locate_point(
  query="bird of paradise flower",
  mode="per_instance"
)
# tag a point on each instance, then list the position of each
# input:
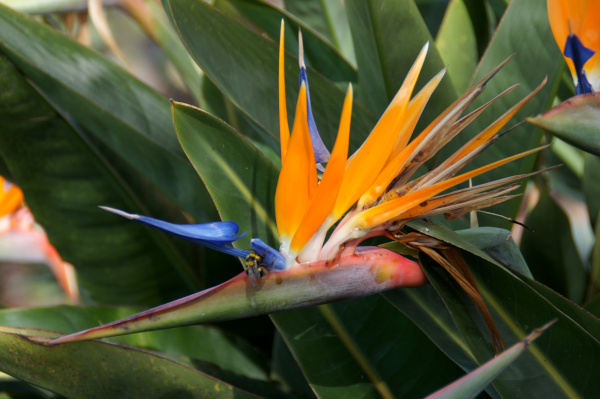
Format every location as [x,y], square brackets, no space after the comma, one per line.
[17,222]
[575,27]
[365,195]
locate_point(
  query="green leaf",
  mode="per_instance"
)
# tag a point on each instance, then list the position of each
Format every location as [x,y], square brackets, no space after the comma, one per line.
[443,233]
[285,369]
[207,344]
[551,252]
[588,322]
[549,366]
[318,53]
[472,384]
[126,116]
[575,121]
[240,178]
[528,304]
[457,44]
[342,346]
[594,284]
[499,245]
[163,34]
[425,308]
[524,31]
[65,178]
[75,370]
[432,12]
[387,38]
[244,66]
[591,185]
[329,19]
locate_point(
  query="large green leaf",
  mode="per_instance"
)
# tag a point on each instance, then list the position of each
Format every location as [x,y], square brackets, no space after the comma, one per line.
[207,344]
[551,252]
[591,185]
[244,66]
[547,368]
[341,346]
[102,370]
[111,106]
[528,304]
[457,44]
[387,38]
[240,178]
[318,53]
[524,31]
[242,183]
[65,178]
[163,34]
[432,12]
[499,245]
[329,19]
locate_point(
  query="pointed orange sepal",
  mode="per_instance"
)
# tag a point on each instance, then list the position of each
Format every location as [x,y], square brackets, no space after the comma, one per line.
[492,129]
[298,178]
[395,162]
[331,182]
[284,129]
[11,197]
[393,209]
[364,166]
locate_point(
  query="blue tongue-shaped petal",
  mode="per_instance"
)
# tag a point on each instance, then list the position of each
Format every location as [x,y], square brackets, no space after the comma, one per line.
[271,258]
[580,54]
[211,235]
[321,153]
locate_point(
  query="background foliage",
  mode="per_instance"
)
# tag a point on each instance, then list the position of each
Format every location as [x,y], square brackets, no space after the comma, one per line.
[81,129]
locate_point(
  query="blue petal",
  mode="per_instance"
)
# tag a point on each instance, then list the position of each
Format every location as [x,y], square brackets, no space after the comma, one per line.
[580,54]
[211,235]
[272,259]
[229,250]
[321,153]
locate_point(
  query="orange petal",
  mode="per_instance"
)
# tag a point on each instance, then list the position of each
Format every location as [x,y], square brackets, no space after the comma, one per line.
[298,177]
[11,197]
[390,210]
[492,129]
[367,163]
[395,163]
[284,129]
[331,182]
